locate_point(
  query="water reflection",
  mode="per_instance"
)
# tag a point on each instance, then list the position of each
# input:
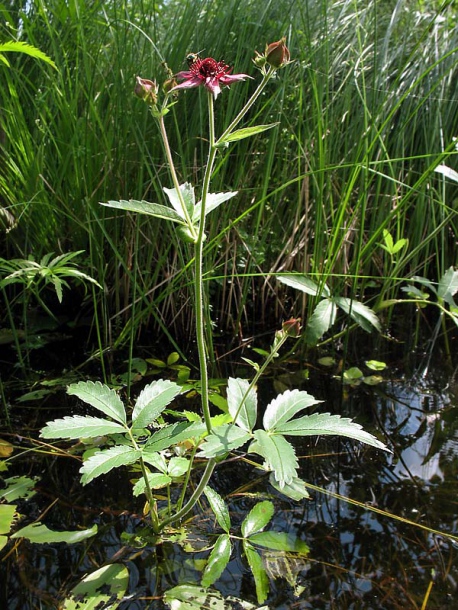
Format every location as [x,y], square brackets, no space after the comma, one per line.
[359,559]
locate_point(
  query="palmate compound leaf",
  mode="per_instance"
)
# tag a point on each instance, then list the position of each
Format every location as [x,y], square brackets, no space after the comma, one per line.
[100,397]
[144,207]
[236,393]
[79,426]
[285,406]
[279,456]
[152,400]
[325,424]
[217,561]
[361,314]
[104,461]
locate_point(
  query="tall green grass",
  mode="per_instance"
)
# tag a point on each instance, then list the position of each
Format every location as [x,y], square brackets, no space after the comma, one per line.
[365,112]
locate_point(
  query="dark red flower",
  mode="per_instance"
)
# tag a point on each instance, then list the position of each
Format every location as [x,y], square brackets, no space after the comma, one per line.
[209,73]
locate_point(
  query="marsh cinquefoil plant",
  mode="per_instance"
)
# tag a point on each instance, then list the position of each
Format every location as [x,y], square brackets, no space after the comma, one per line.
[166,452]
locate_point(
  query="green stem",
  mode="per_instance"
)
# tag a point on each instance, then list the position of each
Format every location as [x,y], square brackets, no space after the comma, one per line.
[198,271]
[265,79]
[186,479]
[181,514]
[273,353]
[148,492]
[173,173]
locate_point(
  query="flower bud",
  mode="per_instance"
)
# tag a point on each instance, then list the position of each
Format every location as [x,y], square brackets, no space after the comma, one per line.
[169,84]
[277,53]
[146,90]
[292,327]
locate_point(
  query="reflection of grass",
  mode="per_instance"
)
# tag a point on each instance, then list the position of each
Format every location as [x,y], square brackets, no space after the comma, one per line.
[366,112]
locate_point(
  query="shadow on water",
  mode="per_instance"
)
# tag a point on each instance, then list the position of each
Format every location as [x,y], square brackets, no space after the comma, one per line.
[358,559]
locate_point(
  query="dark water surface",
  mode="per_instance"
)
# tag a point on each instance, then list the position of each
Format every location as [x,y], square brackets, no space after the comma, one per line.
[359,559]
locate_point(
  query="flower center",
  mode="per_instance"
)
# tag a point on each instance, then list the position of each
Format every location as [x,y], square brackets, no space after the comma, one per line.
[209,68]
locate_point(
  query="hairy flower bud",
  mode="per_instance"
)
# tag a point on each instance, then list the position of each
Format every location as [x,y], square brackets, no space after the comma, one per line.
[277,53]
[146,90]
[169,84]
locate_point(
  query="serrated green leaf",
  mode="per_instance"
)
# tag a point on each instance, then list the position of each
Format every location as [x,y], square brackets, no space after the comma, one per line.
[236,393]
[156,480]
[222,440]
[279,541]
[321,320]
[144,207]
[40,534]
[23,47]
[80,426]
[152,400]
[448,286]
[104,588]
[154,459]
[258,517]
[101,397]
[104,461]
[213,201]
[257,569]
[219,508]
[176,433]
[361,314]
[279,455]
[217,561]
[295,490]
[325,424]
[187,195]
[246,132]
[178,466]
[285,406]
[303,283]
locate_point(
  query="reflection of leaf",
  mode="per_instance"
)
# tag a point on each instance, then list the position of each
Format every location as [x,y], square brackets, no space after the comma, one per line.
[284,565]
[103,588]
[191,597]
[20,487]
[39,533]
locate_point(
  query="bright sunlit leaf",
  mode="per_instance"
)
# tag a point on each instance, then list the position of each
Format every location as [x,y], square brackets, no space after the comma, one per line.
[258,517]
[104,461]
[237,392]
[285,406]
[152,400]
[100,397]
[218,560]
